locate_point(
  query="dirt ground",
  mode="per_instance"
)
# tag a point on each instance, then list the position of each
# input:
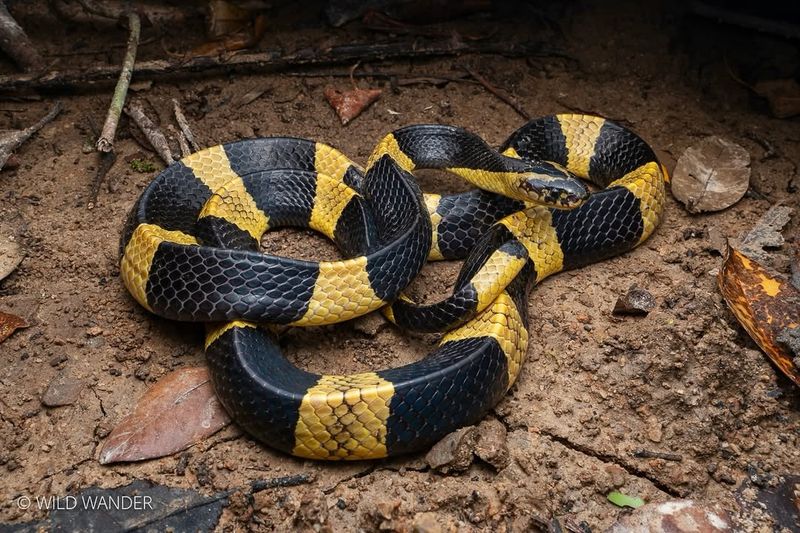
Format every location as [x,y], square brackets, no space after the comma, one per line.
[685,379]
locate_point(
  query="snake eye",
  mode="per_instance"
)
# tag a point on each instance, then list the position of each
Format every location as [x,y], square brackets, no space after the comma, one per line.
[552,185]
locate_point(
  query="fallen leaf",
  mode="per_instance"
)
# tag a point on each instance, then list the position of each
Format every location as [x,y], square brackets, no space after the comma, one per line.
[349,104]
[783,96]
[178,411]
[623,500]
[225,18]
[9,324]
[765,305]
[231,28]
[711,175]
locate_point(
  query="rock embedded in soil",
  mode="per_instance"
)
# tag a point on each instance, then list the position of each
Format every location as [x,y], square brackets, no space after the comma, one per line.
[766,234]
[62,390]
[454,453]
[636,301]
[676,516]
[490,443]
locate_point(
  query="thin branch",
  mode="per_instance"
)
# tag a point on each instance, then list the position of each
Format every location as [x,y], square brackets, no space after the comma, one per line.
[107,160]
[154,136]
[183,124]
[271,61]
[10,141]
[499,93]
[15,42]
[105,143]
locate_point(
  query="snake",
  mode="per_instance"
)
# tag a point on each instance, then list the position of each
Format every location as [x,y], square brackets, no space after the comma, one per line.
[189,251]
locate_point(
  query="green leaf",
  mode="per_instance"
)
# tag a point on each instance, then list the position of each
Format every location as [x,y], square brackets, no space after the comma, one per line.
[623,500]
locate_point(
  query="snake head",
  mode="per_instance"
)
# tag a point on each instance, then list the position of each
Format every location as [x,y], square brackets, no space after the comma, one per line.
[552,185]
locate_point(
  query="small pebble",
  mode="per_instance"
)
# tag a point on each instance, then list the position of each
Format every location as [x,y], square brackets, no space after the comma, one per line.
[636,301]
[63,390]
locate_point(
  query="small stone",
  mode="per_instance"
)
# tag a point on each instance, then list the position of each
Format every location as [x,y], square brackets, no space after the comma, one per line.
[654,429]
[676,516]
[454,452]
[95,342]
[102,430]
[717,241]
[58,359]
[490,443]
[636,301]
[426,523]
[62,390]
[94,331]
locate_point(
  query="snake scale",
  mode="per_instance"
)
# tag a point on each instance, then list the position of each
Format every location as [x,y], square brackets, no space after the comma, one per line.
[190,251]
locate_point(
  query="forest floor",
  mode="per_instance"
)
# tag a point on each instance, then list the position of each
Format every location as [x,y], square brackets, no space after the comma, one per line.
[686,379]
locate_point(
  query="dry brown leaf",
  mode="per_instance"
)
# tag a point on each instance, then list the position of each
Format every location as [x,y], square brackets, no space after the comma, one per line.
[764,305]
[783,96]
[225,18]
[711,175]
[9,324]
[178,411]
[349,104]
[231,29]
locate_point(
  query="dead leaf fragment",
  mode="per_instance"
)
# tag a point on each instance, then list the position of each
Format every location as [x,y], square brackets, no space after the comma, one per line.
[711,175]
[765,305]
[349,104]
[178,411]
[225,18]
[231,28]
[783,96]
[9,324]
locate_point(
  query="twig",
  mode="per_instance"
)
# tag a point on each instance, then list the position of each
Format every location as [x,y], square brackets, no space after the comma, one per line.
[156,139]
[107,160]
[401,79]
[279,482]
[499,93]
[183,124]
[105,143]
[10,141]
[97,52]
[271,60]
[15,42]
[183,143]
[649,454]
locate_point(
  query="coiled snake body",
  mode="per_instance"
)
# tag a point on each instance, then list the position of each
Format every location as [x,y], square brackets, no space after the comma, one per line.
[189,251]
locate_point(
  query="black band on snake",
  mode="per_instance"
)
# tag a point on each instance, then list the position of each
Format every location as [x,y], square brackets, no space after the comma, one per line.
[190,252]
